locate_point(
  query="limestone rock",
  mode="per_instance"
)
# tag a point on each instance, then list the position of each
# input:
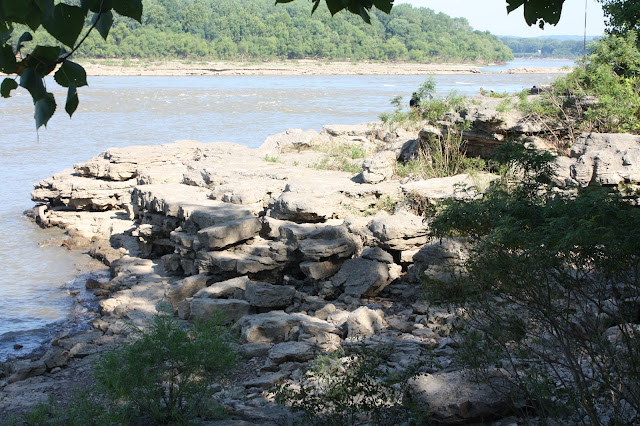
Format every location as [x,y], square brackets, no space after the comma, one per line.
[606,159]
[379,167]
[361,277]
[226,234]
[224,289]
[437,189]
[186,287]
[319,270]
[303,207]
[205,308]
[288,140]
[265,295]
[364,321]
[292,351]
[401,231]
[278,326]
[453,398]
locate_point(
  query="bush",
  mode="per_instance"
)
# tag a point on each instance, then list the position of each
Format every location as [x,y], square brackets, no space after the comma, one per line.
[347,390]
[553,291]
[602,94]
[166,374]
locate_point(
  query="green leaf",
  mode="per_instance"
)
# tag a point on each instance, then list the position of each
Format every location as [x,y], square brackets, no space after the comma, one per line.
[24,37]
[8,84]
[45,107]
[66,23]
[31,81]
[5,31]
[72,100]
[335,6]
[71,74]
[24,12]
[43,59]
[383,5]
[7,60]
[129,8]
[94,5]
[46,6]
[104,24]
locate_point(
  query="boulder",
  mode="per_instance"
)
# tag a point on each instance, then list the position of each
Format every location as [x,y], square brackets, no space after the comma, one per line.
[292,352]
[303,207]
[186,287]
[364,322]
[606,159]
[379,167]
[361,277]
[462,186]
[224,289]
[320,270]
[278,326]
[402,231]
[233,309]
[289,139]
[226,234]
[453,398]
[265,295]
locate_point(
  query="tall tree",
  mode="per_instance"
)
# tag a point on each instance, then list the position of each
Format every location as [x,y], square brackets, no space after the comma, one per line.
[622,15]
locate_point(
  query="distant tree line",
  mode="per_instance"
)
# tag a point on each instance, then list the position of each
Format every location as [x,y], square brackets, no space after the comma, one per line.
[258,30]
[542,47]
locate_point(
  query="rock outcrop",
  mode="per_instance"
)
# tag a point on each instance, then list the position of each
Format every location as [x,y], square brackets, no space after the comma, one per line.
[302,261]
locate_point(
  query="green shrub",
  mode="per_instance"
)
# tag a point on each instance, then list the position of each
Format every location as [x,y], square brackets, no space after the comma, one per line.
[347,390]
[166,374]
[602,94]
[548,286]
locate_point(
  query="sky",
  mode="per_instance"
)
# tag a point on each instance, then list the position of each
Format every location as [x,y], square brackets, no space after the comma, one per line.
[491,15]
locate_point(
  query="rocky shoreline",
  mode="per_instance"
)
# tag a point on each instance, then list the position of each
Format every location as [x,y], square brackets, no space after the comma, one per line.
[303,259]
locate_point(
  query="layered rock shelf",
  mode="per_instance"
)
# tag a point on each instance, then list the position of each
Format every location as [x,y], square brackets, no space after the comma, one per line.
[302,260]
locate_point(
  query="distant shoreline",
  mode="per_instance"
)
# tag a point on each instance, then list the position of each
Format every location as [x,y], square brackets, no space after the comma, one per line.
[96,67]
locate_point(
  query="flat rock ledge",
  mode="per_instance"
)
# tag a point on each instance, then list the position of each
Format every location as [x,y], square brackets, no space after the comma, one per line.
[302,261]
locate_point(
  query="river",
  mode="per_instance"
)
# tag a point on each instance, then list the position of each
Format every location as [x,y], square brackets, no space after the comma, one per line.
[38,285]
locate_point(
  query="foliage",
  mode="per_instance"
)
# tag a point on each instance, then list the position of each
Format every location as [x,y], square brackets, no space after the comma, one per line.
[538,12]
[552,288]
[544,47]
[166,373]
[337,163]
[622,16]
[63,22]
[441,156]
[271,158]
[603,94]
[345,390]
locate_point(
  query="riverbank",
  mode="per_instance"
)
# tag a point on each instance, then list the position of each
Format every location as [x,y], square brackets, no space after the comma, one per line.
[307,257]
[110,67]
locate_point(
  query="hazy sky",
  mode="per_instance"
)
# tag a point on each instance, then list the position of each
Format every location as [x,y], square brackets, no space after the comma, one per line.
[491,15]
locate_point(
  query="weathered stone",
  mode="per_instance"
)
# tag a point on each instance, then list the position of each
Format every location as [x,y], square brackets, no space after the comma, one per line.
[379,167]
[23,369]
[320,270]
[81,350]
[266,381]
[226,234]
[292,351]
[361,277]
[224,289]
[606,159]
[186,287]
[278,326]
[251,350]
[402,231]
[287,140]
[453,398]
[232,309]
[364,321]
[303,207]
[376,253]
[55,357]
[264,295]
[316,249]
[463,186]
